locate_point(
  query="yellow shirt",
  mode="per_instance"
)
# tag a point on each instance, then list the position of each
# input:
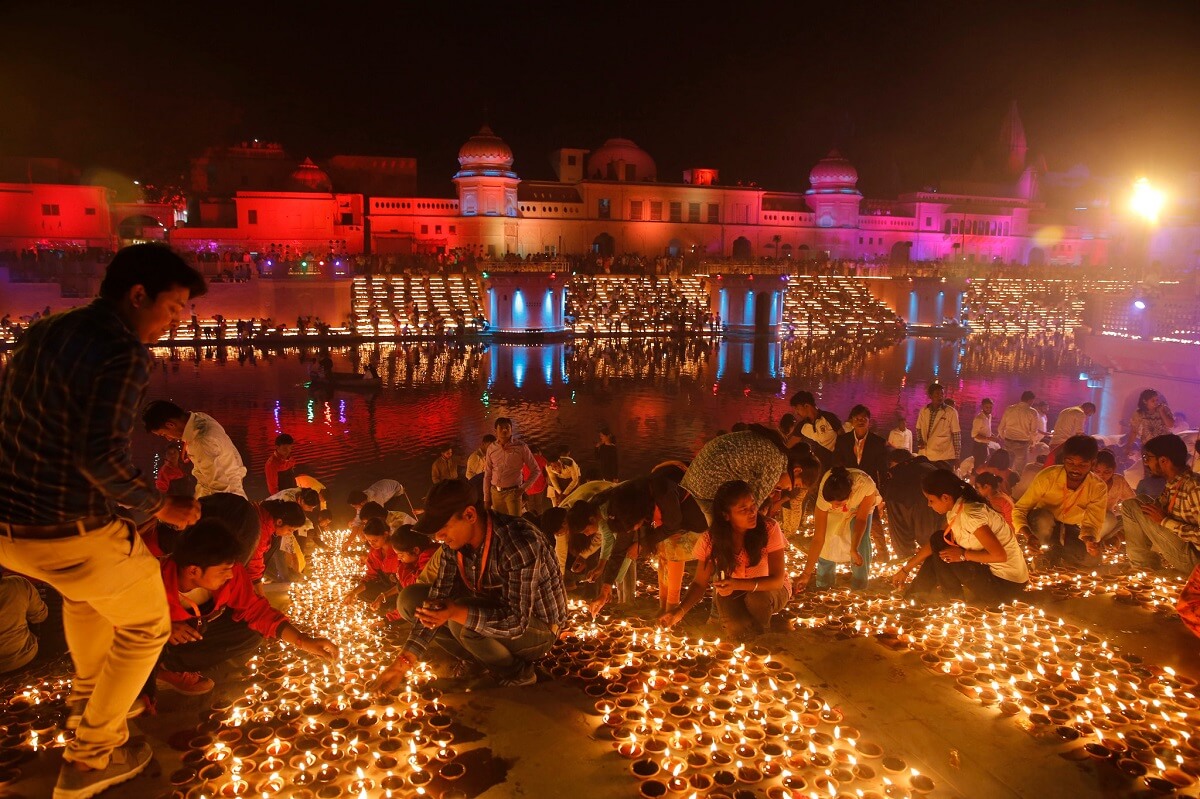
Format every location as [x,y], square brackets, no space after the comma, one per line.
[1084,507]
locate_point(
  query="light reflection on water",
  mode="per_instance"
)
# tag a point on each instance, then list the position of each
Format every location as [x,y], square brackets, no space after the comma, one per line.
[663,399]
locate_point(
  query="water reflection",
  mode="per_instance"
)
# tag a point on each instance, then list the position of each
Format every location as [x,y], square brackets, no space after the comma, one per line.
[662,398]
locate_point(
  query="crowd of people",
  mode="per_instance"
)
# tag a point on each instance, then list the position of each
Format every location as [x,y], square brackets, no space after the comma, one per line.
[163,579]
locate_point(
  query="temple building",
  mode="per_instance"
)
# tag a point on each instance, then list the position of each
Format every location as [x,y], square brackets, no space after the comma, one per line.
[612,199]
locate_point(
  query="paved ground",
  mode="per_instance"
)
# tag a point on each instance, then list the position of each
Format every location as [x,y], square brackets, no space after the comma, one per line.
[548,741]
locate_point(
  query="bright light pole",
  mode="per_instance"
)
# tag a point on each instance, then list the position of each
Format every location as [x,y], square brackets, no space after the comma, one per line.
[1146,203]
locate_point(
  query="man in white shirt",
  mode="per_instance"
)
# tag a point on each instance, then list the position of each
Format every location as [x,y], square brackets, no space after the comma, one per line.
[818,426]
[939,436]
[388,494]
[1071,422]
[981,434]
[475,462]
[216,463]
[562,477]
[1019,429]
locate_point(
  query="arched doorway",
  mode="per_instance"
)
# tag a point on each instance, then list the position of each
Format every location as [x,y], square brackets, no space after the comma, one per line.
[603,245]
[901,251]
[805,252]
[674,248]
[142,227]
[786,252]
[741,248]
[1037,257]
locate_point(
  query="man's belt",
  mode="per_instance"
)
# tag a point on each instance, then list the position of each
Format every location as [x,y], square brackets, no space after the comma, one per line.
[49,532]
[510,488]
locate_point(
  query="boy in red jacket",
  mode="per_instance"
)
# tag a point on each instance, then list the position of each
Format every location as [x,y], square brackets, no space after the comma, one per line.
[215,613]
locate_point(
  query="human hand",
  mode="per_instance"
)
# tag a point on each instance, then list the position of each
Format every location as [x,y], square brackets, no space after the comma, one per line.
[377,602]
[800,582]
[578,566]
[723,587]
[953,555]
[900,577]
[183,633]
[321,647]
[434,614]
[393,676]
[179,512]
[1094,548]
[601,599]
[669,619]
[1153,512]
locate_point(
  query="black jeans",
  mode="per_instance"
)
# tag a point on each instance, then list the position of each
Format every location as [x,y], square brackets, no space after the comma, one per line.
[223,639]
[985,587]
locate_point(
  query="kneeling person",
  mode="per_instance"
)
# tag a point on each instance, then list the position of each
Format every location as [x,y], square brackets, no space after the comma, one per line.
[513,605]
[215,613]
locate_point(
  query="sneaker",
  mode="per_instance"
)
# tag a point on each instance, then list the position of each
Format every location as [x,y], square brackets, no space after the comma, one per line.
[526,675]
[188,683]
[125,763]
[75,711]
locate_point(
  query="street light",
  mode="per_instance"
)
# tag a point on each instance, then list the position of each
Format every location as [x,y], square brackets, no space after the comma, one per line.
[1147,201]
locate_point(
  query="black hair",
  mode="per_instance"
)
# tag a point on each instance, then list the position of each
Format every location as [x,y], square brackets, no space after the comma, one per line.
[1106,457]
[502,421]
[159,412]
[803,398]
[838,485]
[286,511]
[552,521]
[631,503]
[375,527]
[1000,459]
[1169,446]
[801,457]
[859,410]
[207,543]
[284,438]
[355,497]
[934,386]
[372,510]
[406,539]
[153,267]
[787,423]
[1080,447]
[580,515]
[721,531]
[898,456]
[325,515]
[1028,396]
[489,439]
[309,496]
[1145,397]
[989,479]
[944,481]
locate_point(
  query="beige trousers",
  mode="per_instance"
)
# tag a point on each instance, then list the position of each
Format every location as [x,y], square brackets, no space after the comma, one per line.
[508,502]
[115,618]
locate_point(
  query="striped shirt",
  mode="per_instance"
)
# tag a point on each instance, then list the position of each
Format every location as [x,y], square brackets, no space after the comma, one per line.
[520,580]
[68,403]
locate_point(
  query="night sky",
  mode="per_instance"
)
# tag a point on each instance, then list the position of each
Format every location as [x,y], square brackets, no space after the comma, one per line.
[910,91]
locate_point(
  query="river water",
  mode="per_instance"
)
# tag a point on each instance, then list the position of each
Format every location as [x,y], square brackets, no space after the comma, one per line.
[662,399]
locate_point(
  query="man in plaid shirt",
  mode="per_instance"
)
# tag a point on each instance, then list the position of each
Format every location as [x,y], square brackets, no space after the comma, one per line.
[513,606]
[1171,525]
[68,401]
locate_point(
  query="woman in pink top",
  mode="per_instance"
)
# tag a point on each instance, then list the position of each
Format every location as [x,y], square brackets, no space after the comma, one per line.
[741,555]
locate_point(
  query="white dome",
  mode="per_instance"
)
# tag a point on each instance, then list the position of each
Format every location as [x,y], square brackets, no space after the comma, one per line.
[833,172]
[621,159]
[485,149]
[310,177]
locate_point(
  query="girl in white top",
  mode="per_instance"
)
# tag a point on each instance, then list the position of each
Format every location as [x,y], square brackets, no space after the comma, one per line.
[976,551]
[846,499]
[744,551]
